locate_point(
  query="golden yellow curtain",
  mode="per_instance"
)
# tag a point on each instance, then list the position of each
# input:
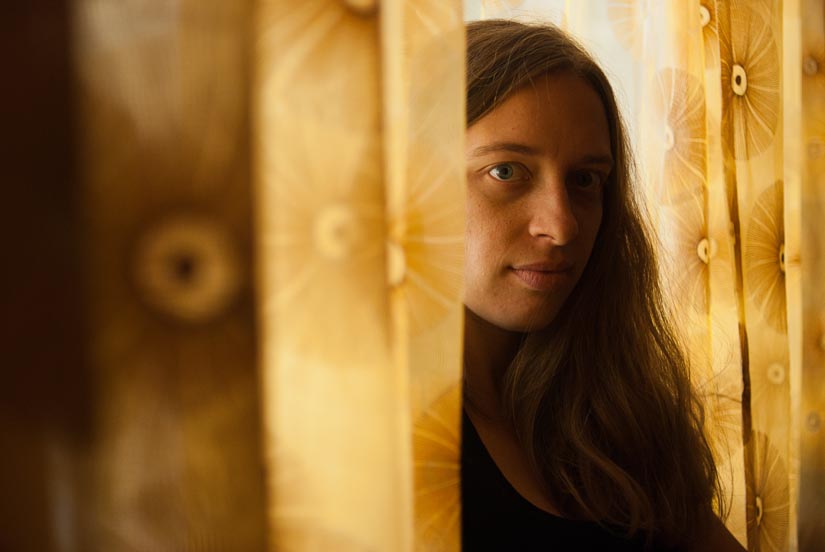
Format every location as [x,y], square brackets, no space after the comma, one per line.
[359,118]
[722,136]
[271,206]
[165,454]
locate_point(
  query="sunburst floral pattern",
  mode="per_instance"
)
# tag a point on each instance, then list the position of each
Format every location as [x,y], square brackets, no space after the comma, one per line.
[722,394]
[426,231]
[689,248]
[328,372]
[324,230]
[436,449]
[768,507]
[680,109]
[328,243]
[361,179]
[627,18]
[499,7]
[770,375]
[750,81]
[764,252]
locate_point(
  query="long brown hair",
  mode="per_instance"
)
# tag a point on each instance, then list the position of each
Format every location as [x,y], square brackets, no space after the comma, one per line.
[601,400]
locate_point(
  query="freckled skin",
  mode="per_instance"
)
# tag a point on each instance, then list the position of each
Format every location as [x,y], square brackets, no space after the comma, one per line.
[540,203]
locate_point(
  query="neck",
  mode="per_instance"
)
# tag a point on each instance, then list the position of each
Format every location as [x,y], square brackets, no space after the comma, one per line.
[488,351]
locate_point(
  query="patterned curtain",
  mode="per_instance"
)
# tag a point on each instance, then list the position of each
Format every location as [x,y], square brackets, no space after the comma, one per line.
[267,224]
[272,205]
[360,124]
[726,100]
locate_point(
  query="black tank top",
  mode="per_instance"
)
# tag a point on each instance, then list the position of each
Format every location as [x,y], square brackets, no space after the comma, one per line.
[496,517]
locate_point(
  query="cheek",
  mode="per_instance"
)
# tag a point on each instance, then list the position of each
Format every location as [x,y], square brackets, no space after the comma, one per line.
[590,222]
[484,237]
[479,245]
[472,232]
[474,247]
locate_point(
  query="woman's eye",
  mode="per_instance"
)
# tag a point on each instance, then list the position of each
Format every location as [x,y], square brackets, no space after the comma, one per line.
[586,179]
[506,172]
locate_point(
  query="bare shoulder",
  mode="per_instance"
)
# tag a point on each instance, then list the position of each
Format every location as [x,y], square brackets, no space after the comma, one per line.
[719,539]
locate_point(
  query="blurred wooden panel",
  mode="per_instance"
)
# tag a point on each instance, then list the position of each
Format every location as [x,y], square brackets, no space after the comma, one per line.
[43,388]
[173,461]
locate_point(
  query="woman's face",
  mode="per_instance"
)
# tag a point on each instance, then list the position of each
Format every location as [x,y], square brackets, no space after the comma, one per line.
[536,167]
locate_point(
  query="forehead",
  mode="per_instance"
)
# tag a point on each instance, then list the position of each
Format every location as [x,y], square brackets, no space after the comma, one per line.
[559,114]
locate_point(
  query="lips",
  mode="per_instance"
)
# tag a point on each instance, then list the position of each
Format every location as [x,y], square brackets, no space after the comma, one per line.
[544,276]
[562,266]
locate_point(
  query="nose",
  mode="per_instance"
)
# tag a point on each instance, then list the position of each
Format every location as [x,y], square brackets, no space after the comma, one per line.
[552,215]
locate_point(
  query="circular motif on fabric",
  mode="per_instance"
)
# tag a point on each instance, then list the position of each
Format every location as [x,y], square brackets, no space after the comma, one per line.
[759,510]
[337,231]
[750,82]
[810,66]
[776,373]
[680,110]
[436,461]
[704,15]
[685,239]
[186,266]
[739,80]
[710,33]
[813,422]
[764,256]
[815,139]
[426,260]
[669,139]
[706,249]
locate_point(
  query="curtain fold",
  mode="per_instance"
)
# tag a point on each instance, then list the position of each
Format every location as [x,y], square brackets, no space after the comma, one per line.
[169,455]
[359,115]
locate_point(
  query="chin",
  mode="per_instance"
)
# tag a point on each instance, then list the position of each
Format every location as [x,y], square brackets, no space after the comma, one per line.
[520,322]
[523,326]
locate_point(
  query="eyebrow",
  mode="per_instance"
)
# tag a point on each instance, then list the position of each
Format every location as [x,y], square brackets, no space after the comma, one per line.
[504,146]
[597,160]
[527,150]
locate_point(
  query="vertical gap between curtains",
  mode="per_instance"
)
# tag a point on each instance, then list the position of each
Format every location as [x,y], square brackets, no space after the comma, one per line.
[792,174]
